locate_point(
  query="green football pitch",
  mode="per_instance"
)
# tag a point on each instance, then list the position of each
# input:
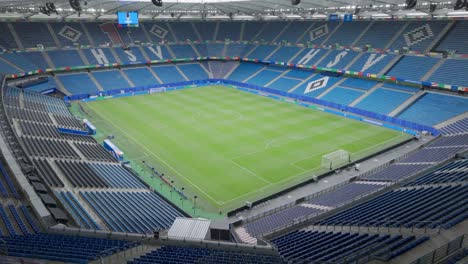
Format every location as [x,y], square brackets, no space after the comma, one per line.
[227,146]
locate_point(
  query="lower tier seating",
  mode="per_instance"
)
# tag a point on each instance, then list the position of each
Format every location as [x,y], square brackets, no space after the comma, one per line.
[434,108]
[408,207]
[329,247]
[383,101]
[134,212]
[456,171]
[184,255]
[74,249]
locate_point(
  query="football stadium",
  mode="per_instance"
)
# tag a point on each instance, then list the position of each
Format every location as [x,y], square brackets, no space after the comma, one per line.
[234,131]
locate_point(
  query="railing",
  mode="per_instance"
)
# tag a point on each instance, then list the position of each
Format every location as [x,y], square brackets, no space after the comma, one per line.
[443,253]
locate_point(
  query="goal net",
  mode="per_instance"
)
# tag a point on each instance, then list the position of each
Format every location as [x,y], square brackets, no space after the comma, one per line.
[157,90]
[335,159]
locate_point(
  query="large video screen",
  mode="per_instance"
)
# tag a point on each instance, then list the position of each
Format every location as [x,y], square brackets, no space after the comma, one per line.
[128,19]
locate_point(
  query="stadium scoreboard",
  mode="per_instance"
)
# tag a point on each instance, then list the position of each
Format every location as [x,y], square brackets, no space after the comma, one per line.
[128,19]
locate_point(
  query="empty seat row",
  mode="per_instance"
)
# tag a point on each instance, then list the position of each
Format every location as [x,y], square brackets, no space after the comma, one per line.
[47,173]
[63,248]
[49,131]
[80,175]
[81,216]
[134,212]
[328,247]
[94,152]
[439,206]
[25,114]
[48,148]
[456,171]
[183,255]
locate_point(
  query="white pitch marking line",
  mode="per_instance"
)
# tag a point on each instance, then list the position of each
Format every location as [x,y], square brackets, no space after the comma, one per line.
[249,171]
[160,159]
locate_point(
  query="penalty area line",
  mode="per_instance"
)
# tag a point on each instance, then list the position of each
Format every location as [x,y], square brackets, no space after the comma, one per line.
[159,158]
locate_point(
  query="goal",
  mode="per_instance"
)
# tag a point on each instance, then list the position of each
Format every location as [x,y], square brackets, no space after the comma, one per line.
[335,159]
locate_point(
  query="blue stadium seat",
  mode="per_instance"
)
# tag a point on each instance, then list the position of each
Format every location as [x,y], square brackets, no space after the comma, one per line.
[229,30]
[433,108]
[380,33]
[65,58]
[78,83]
[193,71]
[418,35]
[347,33]
[168,74]
[131,55]
[32,34]
[405,67]
[110,79]
[69,33]
[455,39]
[141,76]
[264,77]
[183,51]
[449,73]
[341,95]
[383,101]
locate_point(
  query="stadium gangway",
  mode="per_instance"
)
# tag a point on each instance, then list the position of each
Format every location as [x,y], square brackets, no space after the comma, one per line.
[386,227]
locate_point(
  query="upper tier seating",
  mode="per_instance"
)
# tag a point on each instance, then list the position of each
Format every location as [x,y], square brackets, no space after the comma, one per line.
[309,56]
[183,31]
[20,61]
[47,173]
[206,30]
[70,33]
[111,79]
[433,108]
[251,29]
[38,59]
[328,247]
[419,35]
[78,83]
[159,52]
[319,32]
[183,255]
[270,30]
[284,54]
[7,42]
[450,73]
[338,59]
[132,34]
[229,30]
[130,55]
[65,58]
[99,56]
[383,101]
[295,30]
[158,32]
[347,33]
[183,51]
[371,62]
[420,207]
[405,67]
[455,40]
[380,33]
[7,68]
[98,36]
[261,52]
[32,34]
[212,50]
[134,212]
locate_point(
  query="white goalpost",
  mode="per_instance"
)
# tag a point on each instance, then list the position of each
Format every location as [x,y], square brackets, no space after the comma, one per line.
[335,159]
[157,90]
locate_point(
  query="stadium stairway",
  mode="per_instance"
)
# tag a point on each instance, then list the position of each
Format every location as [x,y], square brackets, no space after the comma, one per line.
[98,85]
[412,100]
[395,37]
[15,36]
[362,97]
[450,25]
[451,120]
[433,69]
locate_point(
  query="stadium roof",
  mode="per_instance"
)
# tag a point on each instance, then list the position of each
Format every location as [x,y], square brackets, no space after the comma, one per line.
[211,7]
